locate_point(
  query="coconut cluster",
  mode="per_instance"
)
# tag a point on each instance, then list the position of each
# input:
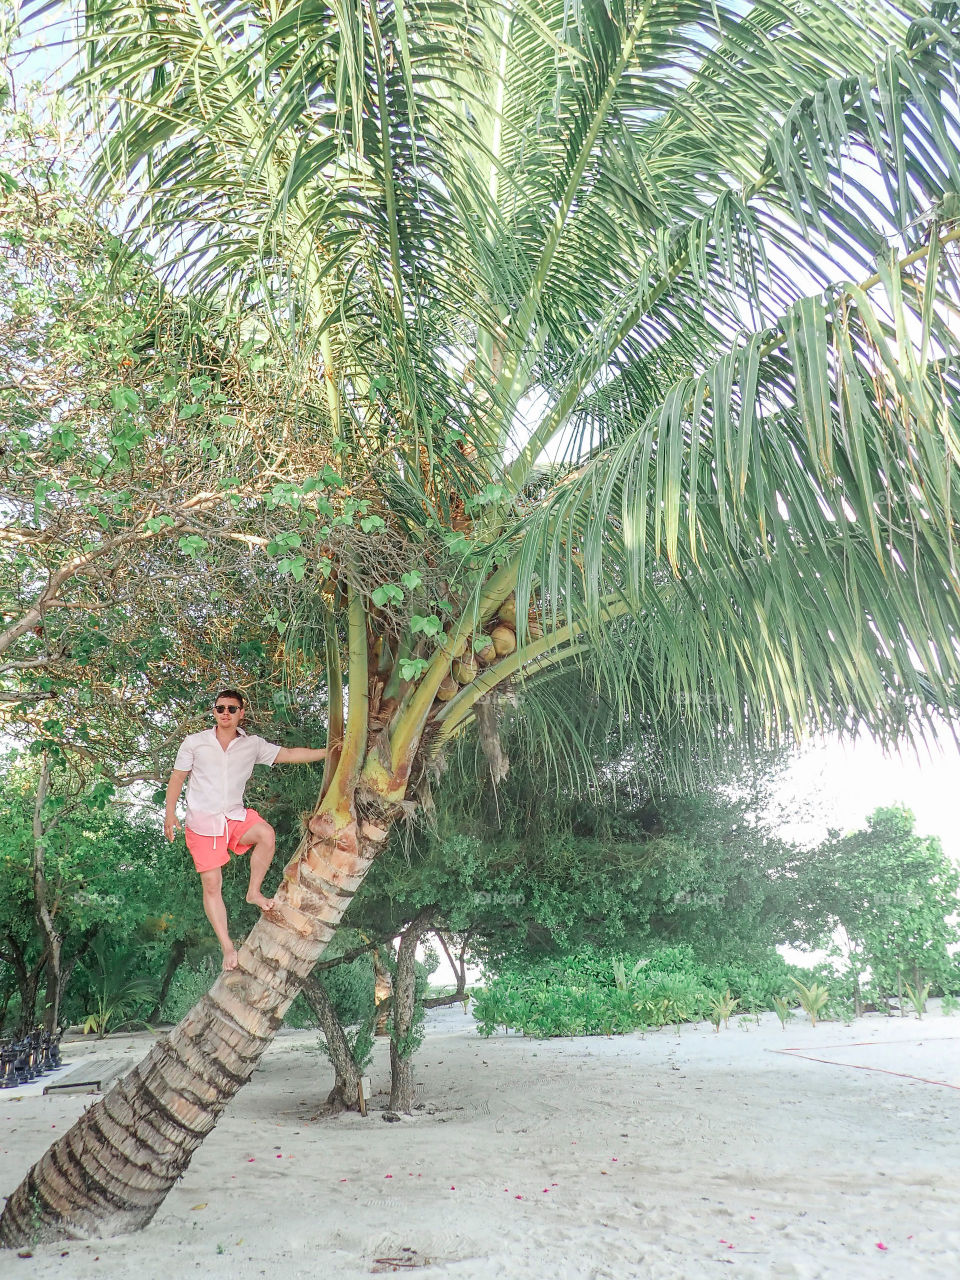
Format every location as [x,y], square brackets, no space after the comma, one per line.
[486,649]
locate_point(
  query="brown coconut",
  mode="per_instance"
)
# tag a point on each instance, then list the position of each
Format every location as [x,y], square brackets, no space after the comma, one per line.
[459,649]
[448,687]
[504,640]
[508,612]
[466,669]
[484,652]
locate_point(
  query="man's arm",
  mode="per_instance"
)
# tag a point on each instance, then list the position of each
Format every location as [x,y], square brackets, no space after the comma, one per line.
[171,823]
[299,755]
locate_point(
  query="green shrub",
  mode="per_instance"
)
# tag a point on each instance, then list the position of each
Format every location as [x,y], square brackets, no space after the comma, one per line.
[299,1016]
[593,993]
[117,991]
[350,988]
[721,1008]
[188,985]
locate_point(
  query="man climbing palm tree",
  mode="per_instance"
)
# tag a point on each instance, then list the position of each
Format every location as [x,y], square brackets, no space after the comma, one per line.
[219,762]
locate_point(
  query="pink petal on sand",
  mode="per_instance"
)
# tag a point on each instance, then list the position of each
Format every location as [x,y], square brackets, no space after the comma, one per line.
[388,1175]
[453,1188]
[518,1197]
[881,1245]
[250,1159]
[279,1157]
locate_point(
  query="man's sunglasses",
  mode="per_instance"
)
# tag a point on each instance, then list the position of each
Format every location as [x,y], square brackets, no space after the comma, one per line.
[226,706]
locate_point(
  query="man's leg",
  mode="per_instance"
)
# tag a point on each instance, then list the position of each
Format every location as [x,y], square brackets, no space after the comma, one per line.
[217,914]
[262,841]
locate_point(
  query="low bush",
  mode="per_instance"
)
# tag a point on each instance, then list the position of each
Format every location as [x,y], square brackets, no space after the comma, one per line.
[594,993]
[188,985]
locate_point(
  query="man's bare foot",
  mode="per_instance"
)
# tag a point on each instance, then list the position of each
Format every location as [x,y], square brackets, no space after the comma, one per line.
[230,960]
[258,900]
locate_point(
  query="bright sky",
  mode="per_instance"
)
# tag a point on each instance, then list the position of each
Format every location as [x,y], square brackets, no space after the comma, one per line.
[842,783]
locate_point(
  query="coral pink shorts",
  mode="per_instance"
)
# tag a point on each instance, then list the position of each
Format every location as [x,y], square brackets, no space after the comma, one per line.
[214,851]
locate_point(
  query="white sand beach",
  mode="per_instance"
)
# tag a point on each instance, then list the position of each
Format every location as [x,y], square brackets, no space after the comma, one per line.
[674,1156]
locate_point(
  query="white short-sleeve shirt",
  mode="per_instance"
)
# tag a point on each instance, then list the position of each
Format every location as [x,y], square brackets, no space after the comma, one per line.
[218,777]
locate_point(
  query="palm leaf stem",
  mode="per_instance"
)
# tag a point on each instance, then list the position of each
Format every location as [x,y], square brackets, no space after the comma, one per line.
[334,704]
[347,773]
[389,194]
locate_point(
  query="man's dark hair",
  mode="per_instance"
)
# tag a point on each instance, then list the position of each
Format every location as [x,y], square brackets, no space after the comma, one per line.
[230,693]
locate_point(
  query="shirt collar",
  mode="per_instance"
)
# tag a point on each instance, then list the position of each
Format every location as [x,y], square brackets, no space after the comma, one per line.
[212,733]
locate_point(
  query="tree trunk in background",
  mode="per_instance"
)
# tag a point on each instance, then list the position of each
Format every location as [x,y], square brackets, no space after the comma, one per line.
[344,1096]
[53,939]
[112,1170]
[459,967]
[65,973]
[382,992]
[174,960]
[52,992]
[28,983]
[28,1001]
[404,1006]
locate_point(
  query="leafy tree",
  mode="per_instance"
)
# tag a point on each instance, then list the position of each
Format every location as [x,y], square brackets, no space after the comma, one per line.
[342,999]
[115,627]
[619,865]
[75,868]
[893,894]
[575,339]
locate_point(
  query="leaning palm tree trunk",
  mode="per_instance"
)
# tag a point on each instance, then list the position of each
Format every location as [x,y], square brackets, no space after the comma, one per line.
[112,1170]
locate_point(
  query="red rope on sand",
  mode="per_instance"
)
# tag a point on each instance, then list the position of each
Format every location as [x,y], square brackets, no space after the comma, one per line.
[859,1066]
[859,1044]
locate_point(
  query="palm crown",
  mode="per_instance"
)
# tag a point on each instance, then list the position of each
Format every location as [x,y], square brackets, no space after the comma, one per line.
[650,304]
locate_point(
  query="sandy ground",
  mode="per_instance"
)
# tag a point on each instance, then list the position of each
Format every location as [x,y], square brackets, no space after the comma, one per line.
[674,1155]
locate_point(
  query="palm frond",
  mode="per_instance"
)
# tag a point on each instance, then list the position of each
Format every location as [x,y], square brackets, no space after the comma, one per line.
[673,283]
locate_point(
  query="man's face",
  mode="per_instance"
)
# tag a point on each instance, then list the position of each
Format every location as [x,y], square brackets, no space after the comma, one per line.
[228,713]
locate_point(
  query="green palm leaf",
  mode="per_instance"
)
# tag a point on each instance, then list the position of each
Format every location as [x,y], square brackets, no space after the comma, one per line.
[675,279]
